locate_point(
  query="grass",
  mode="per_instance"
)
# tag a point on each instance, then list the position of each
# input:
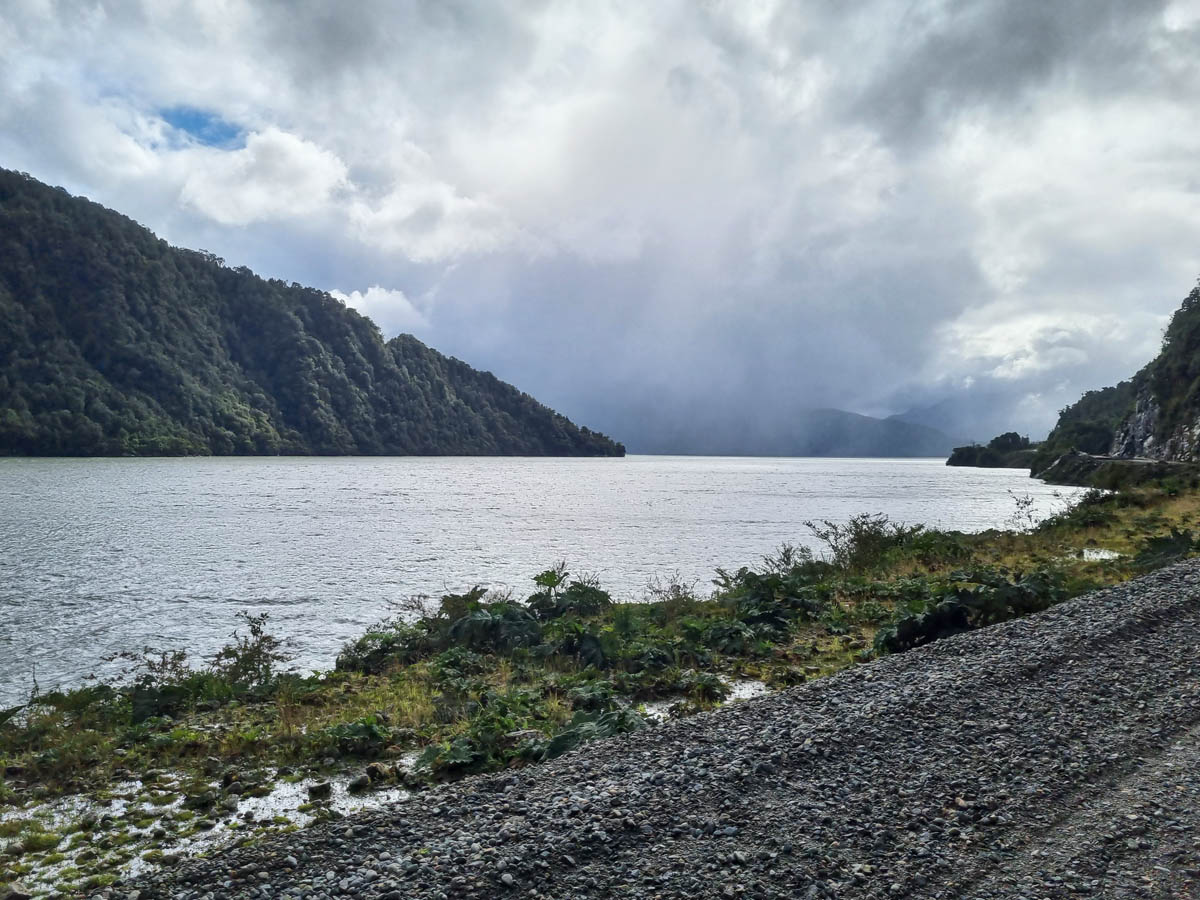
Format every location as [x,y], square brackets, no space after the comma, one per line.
[478,681]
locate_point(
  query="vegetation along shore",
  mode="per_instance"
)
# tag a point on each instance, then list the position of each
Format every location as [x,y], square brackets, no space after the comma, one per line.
[181,757]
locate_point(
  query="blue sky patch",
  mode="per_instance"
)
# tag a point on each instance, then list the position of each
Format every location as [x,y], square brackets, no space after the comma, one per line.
[205,127]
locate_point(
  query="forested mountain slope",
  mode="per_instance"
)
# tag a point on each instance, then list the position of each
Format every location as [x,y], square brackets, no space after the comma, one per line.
[1155,414]
[112,342]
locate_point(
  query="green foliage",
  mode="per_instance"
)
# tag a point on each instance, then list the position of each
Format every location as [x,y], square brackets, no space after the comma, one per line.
[1164,550]
[1005,451]
[590,726]
[483,682]
[387,645]
[496,627]
[582,597]
[704,687]
[936,619]
[367,736]
[625,619]
[486,741]
[862,543]
[1089,424]
[1009,442]
[773,599]
[453,757]
[937,548]
[458,662]
[585,642]
[977,456]
[1095,509]
[163,683]
[1174,376]
[970,600]
[251,660]
[731,638]
[593,696]
[117,344]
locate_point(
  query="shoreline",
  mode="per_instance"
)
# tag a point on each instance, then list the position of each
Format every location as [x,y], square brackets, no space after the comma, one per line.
[482,683]
[894,779]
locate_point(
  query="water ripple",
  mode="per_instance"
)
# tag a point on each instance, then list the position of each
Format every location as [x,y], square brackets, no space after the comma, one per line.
[116,554]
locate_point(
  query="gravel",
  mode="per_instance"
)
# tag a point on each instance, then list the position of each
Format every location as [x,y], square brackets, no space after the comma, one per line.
[1055,756]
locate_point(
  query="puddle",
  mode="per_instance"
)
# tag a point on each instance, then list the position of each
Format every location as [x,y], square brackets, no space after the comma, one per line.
[739,689]
[659,710]
[745,689]
[122,824]
[1094,554]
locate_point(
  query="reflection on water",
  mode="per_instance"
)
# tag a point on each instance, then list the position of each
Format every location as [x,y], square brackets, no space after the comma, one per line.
[103,555]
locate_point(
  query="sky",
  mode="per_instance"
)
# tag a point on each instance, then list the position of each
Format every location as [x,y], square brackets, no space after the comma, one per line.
[671,219]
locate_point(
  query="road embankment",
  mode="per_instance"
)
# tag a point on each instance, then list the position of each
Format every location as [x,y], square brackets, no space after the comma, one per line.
[1053,756]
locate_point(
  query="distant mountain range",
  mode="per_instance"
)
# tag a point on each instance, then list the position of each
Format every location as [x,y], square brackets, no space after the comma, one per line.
[112,342]
[834,432]
[819,432]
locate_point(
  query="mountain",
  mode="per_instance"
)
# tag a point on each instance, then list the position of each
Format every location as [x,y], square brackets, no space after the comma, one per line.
[975,414]
[112,342]
[834,432]
[817,432]
[1155,414]
[944,416]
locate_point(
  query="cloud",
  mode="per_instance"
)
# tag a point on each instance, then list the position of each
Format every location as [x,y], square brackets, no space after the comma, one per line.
[275,175]
[664,219]
[389,309]
[430,221]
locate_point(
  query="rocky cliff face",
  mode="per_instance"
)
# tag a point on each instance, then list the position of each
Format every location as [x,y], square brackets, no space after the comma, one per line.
[1135,435]
[1154,415]
[1138,435]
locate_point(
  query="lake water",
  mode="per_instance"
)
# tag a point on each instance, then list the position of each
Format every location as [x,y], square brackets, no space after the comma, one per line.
[101,555]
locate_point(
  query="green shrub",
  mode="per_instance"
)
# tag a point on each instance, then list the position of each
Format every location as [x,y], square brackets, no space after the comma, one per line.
[704,687]
[626,620]
[457,663]
[582,597]
[861,543]
[589,644]
[496,627]
[592,696]
[730,638]
[453,757]
[252,659]
[589,726]
[385,647]
[367,736]
[974,599]
[1164,550]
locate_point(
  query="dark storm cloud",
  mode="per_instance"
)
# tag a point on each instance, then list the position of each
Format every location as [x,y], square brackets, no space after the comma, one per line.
[944,59]
[671,221]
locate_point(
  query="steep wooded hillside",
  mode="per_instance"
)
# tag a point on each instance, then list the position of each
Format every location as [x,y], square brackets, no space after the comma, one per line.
[113,342]
[1155,414]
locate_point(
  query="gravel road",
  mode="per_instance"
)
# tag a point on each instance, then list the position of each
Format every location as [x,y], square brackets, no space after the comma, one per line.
[1056,756]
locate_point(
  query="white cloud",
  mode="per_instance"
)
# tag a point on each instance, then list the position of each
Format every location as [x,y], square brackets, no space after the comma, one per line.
[430,222]
[275,176]
[389,309]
